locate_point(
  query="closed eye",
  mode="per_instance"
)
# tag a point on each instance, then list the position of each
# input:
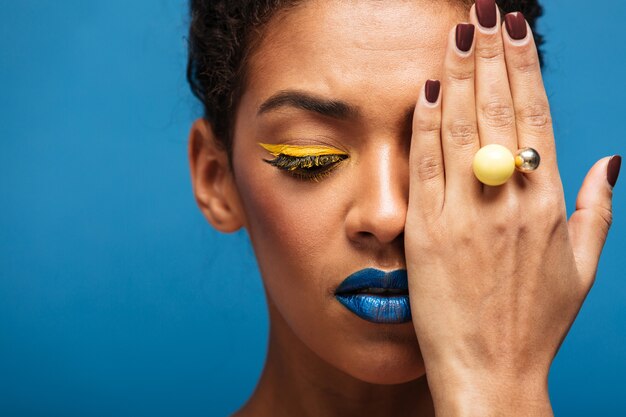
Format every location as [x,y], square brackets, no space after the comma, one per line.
[305,162]
[308,167]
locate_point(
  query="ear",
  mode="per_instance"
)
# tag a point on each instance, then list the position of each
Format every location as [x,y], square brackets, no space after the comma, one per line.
[211,176]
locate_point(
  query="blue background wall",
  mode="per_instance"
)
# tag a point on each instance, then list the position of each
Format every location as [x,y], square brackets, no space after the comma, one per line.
[111,280]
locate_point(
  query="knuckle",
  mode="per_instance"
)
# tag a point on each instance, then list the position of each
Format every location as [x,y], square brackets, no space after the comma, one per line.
[550,212]
[428,167]
[461,73]
[463,236]
[462,133]
[428,125]
[510,219]
[513,209]
[545,204]
[490,53]
[426,236]
[498,114]
[550,208]
[605,215]
[527,64]
[535,115]
[501,225]
[463,230]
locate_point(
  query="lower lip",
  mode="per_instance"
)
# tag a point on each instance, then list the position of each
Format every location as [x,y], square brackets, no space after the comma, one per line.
[378,309]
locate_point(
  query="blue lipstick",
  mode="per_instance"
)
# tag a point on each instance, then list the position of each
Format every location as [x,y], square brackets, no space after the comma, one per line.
[377,296]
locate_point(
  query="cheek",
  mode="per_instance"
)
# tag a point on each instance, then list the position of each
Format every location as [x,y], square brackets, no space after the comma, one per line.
[294,229]
[285,222]
[296,236]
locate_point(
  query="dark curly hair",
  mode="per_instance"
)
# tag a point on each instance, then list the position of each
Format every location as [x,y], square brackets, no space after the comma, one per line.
[222,35]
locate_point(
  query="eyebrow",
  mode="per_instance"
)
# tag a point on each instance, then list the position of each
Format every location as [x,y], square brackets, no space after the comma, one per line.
[336,109]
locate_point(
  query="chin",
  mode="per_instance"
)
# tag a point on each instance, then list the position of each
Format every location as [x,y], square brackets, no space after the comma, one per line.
[383,363]
[380,354]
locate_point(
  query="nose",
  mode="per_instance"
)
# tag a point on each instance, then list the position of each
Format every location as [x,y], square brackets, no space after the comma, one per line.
[380,198]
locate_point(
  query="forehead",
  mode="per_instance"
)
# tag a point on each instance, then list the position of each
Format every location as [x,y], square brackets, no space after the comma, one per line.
[345,47]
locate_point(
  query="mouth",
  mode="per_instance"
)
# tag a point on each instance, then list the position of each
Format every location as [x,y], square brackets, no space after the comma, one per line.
[376,296]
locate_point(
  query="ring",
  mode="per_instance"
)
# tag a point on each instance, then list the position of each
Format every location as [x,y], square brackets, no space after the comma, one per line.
[494,164]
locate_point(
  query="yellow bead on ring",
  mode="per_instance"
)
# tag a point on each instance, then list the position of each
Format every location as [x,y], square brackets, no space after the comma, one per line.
[493,164]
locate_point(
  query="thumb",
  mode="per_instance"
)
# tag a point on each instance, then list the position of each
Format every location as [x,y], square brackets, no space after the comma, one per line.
[590,223]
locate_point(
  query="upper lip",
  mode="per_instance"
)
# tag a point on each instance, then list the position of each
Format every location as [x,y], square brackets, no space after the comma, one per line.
[372,278]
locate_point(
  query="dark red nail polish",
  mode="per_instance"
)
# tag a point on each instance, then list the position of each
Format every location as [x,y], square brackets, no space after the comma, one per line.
[431,91]
[464,36]
[516,25]
[612,170]
[487,13]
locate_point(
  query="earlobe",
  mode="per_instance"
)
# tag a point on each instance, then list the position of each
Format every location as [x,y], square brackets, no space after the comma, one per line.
[212,180]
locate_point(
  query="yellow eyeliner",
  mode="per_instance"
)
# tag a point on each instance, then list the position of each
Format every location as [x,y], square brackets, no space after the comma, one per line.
[300,150]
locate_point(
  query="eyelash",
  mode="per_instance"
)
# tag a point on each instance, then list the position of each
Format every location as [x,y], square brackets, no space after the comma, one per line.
[309,168]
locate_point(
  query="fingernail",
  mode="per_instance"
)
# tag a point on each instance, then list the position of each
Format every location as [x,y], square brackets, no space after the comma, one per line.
[516,25]
[464,36]
[432,91]
[612,170]
[486,13]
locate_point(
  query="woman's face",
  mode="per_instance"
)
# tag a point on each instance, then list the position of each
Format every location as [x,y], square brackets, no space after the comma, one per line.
[309,236]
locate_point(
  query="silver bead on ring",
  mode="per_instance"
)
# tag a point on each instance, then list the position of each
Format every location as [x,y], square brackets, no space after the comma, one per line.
[527,160]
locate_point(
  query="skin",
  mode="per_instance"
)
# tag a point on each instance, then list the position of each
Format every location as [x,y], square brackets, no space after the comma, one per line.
[496,275]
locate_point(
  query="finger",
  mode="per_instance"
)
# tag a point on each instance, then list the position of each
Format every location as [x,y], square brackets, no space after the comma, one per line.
[427,182]
[458,112]
[589,224]
[494,104]
[532,111]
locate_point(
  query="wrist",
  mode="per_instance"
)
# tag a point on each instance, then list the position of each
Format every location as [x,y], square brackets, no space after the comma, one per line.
[476,394]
